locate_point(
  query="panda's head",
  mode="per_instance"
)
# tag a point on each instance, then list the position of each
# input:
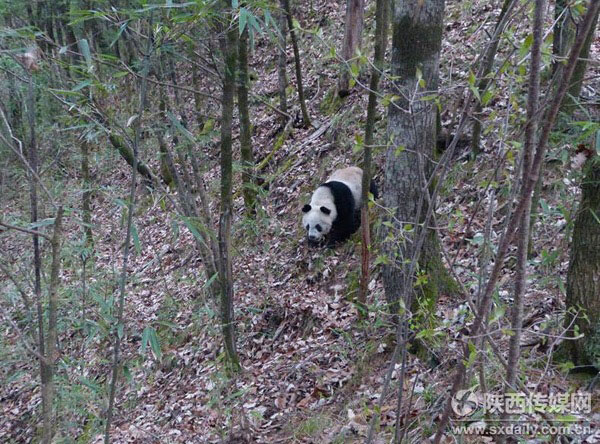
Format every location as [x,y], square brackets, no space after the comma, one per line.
[319,215]
[317,222]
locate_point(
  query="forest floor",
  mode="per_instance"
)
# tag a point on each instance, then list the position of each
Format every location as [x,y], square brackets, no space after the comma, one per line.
[312,370]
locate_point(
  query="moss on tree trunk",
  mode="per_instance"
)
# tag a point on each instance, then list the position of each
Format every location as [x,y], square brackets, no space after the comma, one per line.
[439,279]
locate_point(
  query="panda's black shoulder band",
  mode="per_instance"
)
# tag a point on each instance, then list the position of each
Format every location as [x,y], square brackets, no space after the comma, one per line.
[342,197]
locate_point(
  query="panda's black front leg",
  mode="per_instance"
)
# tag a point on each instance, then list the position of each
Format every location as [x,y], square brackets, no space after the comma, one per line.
[333,239]
[338,235]
[356,225]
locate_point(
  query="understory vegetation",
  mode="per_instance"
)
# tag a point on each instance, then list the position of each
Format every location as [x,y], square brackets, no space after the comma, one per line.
[156,285]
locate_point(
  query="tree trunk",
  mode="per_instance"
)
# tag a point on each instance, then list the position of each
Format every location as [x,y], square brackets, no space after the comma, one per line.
[382,11]
[531,126]
[355,11]
[281,66]
[229,48]
[416,47]
[51,354]
[583,278]
[37,262]
[290,22]
[248,187]
[198,102]
[86,196]
[571,100]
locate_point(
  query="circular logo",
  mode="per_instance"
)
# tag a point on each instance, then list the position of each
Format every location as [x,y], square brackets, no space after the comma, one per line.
[464,402]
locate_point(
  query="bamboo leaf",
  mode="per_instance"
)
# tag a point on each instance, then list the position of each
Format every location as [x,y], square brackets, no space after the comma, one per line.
[84,47]
[155,345]
[136,239]
[145,337]
[243,19]
[119,32]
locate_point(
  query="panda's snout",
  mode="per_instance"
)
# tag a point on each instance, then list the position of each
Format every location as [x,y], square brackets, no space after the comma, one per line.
[314,240]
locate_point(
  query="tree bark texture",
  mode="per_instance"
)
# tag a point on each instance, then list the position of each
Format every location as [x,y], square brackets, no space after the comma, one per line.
[229,47]
[248,187]
[353,27]
[417,34]
[583,278]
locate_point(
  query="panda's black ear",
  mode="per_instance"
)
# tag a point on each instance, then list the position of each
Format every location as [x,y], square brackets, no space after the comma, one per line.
[325,210]
[306,208]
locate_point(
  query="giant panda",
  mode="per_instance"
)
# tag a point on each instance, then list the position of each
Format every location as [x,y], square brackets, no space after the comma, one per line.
[333,213]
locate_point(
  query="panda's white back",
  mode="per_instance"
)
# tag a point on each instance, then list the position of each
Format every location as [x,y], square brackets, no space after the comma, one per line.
[352,178]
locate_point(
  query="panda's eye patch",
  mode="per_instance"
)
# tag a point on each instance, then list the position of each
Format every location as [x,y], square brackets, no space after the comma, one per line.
[306,208]
[325,210]
[307,227]
[319,229]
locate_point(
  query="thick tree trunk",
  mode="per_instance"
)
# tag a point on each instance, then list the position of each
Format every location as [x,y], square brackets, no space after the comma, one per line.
[248,187]
[355,11]
[583,279]
[229,47]
[416,47]
[288,12]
